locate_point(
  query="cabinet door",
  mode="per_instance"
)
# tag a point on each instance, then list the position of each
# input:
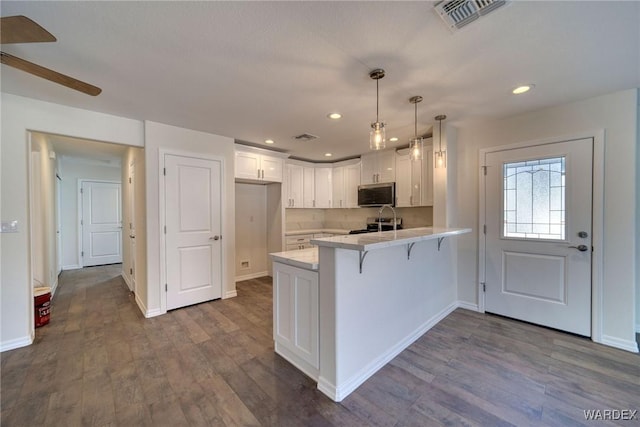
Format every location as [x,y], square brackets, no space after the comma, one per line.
[272,168]
[295,312]
[369,168]
[323,187]
[294,186]
[247,165]
[338,187]
[308,190]
[427,176]
[387,166]
[351,182]
[403,180]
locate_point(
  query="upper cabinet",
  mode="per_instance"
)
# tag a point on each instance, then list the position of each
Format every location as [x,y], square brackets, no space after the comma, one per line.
[378,166]
[414,178]
[255,164]
[346,178]
[299,188]
[294,186]
[323,186]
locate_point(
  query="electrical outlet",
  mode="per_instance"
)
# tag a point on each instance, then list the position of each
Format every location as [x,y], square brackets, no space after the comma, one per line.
[244,265]
[9,226]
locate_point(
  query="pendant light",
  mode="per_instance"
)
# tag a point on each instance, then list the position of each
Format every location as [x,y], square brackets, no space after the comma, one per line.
[415,143]
[440,155]
[377,134]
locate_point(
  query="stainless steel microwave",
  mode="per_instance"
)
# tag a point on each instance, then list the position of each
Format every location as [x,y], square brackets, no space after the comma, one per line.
[377,194]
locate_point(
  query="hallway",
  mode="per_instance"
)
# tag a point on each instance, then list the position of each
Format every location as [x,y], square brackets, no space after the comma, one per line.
[99,362]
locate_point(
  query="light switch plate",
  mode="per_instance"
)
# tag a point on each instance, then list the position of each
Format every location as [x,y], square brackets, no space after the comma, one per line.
[9,226]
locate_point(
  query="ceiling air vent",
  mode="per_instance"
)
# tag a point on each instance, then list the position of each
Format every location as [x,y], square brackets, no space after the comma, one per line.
[458,13]
[305,137]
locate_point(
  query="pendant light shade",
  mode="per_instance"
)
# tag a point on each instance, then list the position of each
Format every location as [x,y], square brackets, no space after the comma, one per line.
[377,136]
[415,143]
[440,156]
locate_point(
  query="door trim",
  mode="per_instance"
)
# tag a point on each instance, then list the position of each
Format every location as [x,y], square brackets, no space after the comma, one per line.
[162,152]
[80,224]
[597,218]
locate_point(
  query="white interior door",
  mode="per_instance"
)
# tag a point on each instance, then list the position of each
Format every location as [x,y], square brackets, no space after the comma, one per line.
[101,223]
[538,203]
[193,230]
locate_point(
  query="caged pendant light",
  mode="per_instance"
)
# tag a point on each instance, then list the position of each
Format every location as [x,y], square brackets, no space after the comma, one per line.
[440,155]
[377,135]
[415,143]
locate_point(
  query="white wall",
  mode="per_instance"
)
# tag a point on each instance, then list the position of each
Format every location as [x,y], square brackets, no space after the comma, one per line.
[72,170]
[159,136]
[617,115]
[251,230]
[20,115]
[134,158]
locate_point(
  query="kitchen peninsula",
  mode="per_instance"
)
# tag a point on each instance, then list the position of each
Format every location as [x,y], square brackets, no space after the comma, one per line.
[345,309]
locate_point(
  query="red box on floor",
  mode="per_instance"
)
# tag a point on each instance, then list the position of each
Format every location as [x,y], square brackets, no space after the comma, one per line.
[42,309]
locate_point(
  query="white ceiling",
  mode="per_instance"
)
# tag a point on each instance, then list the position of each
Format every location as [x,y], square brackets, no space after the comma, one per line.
[258,70]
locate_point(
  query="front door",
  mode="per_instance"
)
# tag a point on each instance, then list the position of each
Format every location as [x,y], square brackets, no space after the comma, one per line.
[538,234]
[193,230]
[101,223]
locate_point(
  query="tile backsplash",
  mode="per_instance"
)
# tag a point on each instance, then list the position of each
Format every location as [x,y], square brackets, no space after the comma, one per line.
[353,219]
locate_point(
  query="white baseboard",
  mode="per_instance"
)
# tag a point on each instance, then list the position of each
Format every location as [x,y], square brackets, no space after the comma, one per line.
[127,280]
[71,267]
[627,345]
[468,306]
[337,393]
[17,343]
[147,313]
[230,294]
[54,287]
[251,276]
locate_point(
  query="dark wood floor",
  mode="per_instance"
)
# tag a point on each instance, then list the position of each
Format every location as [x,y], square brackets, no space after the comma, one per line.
[99,362]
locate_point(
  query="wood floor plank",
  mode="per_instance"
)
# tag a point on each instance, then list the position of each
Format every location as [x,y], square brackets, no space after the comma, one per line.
[100,362]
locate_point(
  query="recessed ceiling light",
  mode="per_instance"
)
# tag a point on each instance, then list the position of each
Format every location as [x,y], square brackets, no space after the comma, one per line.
[522,89]
[393,139]
[328,154]
[334,116]
[269,141]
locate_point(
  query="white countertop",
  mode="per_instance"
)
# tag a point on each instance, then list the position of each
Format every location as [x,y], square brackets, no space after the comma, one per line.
[316,230]
[302,258]
[385,239]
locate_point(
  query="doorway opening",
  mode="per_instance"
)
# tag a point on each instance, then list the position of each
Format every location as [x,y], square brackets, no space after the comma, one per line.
[83,211]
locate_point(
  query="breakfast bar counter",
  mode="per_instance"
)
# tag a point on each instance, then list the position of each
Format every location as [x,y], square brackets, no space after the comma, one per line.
[340,321]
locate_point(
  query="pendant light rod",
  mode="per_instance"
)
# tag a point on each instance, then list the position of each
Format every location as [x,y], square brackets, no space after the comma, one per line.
[414,100]
[376,75]
[440,118]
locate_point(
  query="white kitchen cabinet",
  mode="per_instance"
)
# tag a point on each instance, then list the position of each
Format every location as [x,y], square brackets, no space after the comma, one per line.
[323,187]
[258,165]
[378,166]
[414,179]
[299,241]
[403,180]
[295,316]
[294,186]
[308,184]
[346,178]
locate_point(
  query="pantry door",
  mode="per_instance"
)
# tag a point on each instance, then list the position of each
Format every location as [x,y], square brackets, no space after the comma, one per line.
[193,230]
[538,203]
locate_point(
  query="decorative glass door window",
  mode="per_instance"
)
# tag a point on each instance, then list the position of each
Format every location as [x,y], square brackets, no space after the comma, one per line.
[534,199]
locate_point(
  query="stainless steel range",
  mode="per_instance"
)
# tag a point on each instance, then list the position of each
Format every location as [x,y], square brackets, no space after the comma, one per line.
[386,224]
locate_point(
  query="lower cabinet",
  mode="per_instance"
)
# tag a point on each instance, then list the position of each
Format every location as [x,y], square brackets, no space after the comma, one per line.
[296,318]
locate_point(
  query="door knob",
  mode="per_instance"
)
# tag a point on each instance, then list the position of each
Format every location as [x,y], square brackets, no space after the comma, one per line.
[581,248]
[214,238]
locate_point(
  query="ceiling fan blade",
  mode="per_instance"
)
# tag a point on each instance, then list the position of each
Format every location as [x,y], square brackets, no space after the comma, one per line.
[48,74]
[20,29]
